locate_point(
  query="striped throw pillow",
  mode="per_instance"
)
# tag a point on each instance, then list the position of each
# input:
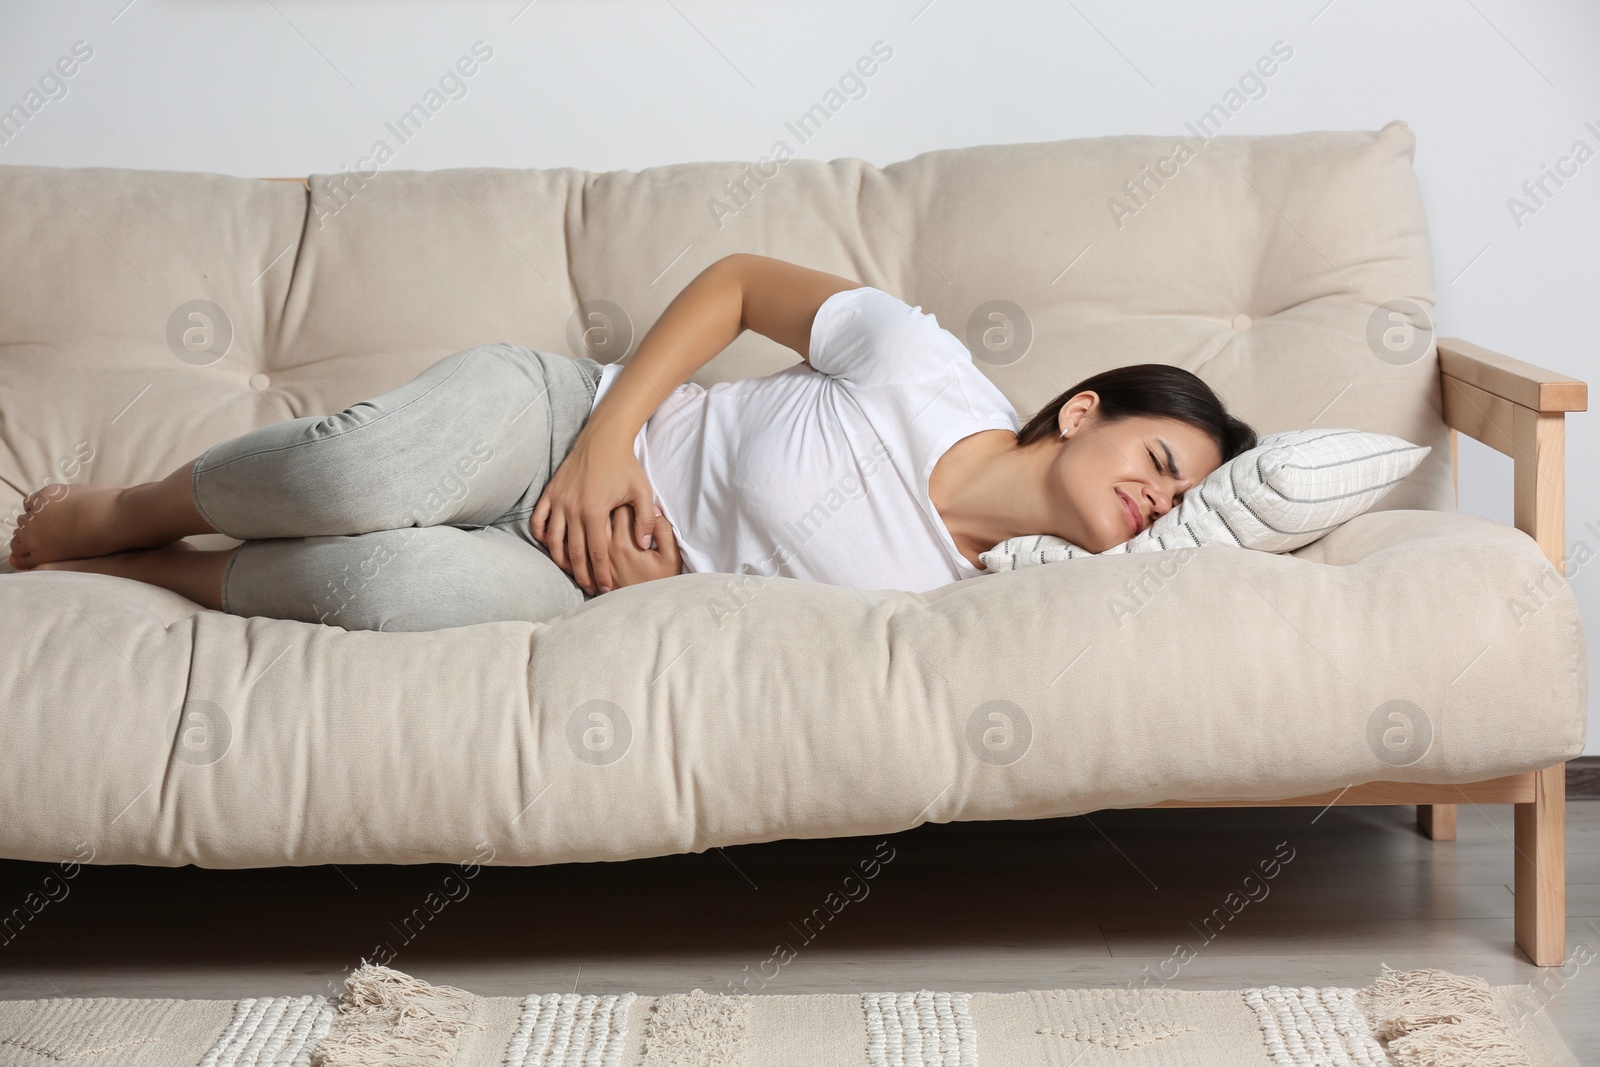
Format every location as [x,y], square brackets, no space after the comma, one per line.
[1289,490]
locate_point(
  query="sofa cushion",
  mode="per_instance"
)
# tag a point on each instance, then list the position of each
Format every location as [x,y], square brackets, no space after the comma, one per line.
[709,709]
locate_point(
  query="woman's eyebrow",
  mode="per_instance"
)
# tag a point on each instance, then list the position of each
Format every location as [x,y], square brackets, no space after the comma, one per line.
[1172,467]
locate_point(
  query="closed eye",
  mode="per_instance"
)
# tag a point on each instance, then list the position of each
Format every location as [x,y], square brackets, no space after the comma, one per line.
[1176,500]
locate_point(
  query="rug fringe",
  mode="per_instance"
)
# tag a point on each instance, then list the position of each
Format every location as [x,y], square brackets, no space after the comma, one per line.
[386,1017]
[1432,1018]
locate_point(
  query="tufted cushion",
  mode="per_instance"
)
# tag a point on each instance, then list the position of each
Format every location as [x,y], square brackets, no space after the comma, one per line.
[698,710]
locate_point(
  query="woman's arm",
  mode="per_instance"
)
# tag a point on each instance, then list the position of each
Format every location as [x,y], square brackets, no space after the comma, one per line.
[777,299]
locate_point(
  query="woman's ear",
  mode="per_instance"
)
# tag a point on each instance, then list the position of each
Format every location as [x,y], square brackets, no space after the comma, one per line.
[1074,411]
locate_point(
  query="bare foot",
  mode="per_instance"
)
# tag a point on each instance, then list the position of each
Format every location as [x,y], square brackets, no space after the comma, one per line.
[66,522]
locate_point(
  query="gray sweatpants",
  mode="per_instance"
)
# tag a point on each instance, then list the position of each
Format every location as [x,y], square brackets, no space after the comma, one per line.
[408,511]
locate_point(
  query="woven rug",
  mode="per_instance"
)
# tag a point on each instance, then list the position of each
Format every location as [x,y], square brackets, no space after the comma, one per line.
[386,1018]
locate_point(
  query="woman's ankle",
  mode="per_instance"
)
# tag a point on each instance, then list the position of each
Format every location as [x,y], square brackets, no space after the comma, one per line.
[158,513]
[139,520]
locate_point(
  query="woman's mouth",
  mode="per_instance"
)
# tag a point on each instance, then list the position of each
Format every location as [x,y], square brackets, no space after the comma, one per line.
[1135,520]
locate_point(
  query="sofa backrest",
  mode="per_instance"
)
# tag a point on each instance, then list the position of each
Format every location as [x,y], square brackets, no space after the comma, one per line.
[1259,262]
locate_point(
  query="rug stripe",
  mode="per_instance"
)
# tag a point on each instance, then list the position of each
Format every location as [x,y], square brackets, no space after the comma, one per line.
[271,1032]
[570,1030]
[1303,1026]
[921,1029]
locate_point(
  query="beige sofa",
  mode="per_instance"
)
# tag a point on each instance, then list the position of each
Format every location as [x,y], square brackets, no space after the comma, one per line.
[1415,655]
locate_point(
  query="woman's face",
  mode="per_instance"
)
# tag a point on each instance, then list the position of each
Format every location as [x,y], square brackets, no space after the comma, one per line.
[1140,465]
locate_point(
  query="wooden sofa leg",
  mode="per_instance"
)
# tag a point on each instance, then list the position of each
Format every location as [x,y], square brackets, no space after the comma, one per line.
[1437,821]
[1541,869]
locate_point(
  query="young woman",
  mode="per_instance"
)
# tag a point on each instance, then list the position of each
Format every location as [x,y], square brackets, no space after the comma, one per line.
[510,483]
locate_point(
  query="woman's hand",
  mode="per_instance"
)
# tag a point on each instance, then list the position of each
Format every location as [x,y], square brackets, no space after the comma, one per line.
[573,516]
[633,564]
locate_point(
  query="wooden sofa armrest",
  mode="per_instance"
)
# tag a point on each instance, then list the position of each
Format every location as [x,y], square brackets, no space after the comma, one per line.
[1520,409]
[1511,379]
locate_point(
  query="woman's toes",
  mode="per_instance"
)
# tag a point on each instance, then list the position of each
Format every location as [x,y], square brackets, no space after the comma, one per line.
[19,544]
[68,522]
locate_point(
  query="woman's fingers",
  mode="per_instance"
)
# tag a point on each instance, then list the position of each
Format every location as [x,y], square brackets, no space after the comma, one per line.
[574,522]
[642,497]
[622,526]
[556,540]
[667,539]
[640,526]
[597,535]
[541,512]
[578,556]
[632,564]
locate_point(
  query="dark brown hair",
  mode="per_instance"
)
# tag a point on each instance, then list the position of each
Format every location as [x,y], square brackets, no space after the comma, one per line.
[1155,390]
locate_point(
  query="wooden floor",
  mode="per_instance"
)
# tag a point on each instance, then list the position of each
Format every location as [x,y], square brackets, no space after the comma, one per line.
[1106,899]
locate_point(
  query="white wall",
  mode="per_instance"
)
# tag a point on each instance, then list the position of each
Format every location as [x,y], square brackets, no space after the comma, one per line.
[1496,91]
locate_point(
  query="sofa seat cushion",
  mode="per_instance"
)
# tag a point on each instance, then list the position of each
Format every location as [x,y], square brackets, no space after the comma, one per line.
[710,709]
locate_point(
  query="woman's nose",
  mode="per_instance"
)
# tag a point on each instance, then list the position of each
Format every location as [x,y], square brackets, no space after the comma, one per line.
[1161,500]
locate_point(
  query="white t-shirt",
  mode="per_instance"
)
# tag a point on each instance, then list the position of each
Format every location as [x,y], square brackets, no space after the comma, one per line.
[821,472]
